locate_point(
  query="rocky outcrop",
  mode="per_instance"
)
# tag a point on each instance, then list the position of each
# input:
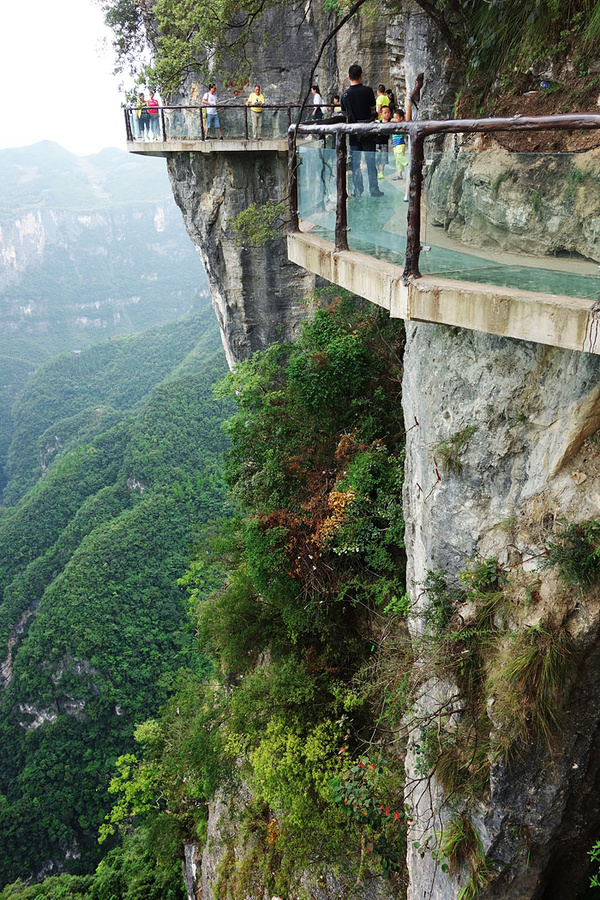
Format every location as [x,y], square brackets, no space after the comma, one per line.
[527,409]
[232,858]
[426,51]
[257,294]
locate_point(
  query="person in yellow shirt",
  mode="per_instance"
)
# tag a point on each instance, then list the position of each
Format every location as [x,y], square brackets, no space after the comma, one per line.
[381,100]
[256,101]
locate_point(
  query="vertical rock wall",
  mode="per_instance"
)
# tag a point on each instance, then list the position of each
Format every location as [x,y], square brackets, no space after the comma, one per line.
[257,294]
[526,465]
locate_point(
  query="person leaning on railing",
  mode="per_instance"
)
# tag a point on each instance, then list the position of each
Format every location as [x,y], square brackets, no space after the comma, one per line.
[256,101]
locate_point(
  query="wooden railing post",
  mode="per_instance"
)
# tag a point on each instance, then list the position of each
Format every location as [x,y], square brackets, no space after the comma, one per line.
[341,213]
[294,223]
[163,131]
[202,134]
[246,122]
[128,131]
[413,228]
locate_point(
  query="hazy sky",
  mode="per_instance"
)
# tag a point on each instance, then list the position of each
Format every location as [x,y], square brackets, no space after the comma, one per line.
[55,72]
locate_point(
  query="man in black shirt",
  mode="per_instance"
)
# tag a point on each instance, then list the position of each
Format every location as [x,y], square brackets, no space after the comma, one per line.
[358,102]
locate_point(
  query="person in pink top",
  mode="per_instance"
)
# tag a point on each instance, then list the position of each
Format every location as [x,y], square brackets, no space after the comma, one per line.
[153,113]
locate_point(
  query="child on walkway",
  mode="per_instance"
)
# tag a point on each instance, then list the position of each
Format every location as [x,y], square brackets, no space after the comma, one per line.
[399,147]
[382,143]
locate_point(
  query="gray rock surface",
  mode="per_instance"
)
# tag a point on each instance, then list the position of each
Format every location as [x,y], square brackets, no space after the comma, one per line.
[525,466]
[257,294]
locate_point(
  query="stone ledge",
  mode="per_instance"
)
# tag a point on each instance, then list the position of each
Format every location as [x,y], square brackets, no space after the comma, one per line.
[509,312]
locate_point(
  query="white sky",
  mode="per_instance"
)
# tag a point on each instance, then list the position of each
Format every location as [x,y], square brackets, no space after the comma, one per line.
[55,70]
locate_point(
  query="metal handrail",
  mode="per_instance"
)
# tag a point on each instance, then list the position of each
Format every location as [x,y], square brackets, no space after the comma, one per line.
[198,108]
[418,131]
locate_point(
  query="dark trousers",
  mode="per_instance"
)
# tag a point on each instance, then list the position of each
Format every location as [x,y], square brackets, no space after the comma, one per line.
[356,155]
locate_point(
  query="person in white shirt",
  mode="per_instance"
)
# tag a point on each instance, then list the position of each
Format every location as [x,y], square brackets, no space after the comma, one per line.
[317,110]
[212,116]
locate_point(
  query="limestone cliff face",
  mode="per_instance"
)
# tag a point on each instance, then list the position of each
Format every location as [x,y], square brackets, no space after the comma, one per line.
[529,410]
[80,250]
[257,294]
[526,465]
[539,204]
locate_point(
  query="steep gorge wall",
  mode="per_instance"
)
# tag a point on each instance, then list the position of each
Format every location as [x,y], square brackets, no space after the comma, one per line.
[526,464]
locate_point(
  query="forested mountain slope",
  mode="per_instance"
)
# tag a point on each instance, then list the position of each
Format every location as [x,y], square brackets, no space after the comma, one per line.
[90,248]
[114,464]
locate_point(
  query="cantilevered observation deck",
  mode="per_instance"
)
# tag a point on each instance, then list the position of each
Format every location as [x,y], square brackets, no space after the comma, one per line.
[389,251]
[384,249]
[180,129]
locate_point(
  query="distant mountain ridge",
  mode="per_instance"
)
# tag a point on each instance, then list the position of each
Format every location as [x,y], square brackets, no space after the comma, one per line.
[47,176]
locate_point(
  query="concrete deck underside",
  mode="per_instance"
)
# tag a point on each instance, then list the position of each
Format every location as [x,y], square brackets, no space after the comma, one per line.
[544,318]
[227,145]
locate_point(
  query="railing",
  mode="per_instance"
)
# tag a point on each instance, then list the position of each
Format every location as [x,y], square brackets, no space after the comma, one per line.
[180,123]
[336,165]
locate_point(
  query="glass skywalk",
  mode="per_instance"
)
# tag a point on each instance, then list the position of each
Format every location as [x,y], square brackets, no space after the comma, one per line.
[377,227]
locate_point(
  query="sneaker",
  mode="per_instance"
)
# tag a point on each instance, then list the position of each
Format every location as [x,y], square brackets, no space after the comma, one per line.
[380,174]
[377,194]
[406,199]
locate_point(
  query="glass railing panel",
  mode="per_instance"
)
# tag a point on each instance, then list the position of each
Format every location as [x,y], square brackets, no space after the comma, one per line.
[317,191]
[183,124]
[232,121]
[191,123]
[522,220]
[273,123]
[526,221]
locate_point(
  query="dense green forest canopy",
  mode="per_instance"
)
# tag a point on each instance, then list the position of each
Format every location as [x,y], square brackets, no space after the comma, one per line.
[94,625]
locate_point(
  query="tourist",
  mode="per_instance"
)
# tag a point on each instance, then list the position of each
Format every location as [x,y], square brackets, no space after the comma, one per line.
[256,101]
[153,116]
[399,148]
[335,109]
[212,116]
[317,110]
[143,118]
[382,144]
[358,103]
[381,100]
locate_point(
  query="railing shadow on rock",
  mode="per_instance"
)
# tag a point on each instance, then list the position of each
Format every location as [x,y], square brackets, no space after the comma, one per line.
[190,123]
[417,132]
